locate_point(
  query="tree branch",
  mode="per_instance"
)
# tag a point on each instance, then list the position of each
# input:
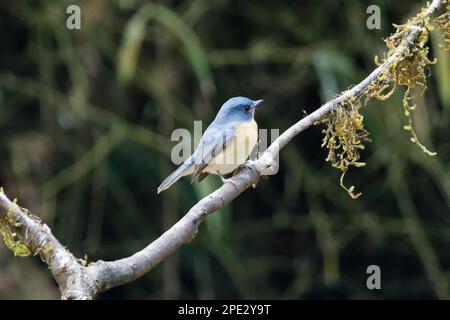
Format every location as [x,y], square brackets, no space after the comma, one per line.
[79,281]
[66,269]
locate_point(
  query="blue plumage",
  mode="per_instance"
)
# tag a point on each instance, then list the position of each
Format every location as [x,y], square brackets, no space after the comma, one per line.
[225,144]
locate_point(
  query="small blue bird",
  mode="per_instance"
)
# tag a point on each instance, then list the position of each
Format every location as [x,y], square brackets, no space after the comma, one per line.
[225,144]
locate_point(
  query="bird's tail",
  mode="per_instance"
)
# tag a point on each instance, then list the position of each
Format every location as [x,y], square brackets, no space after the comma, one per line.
[174,176]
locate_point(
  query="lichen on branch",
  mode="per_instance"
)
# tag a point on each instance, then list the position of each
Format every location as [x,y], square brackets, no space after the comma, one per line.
[12,242]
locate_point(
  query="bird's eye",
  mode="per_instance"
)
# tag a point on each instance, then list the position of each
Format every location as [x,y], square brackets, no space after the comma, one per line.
[247,108]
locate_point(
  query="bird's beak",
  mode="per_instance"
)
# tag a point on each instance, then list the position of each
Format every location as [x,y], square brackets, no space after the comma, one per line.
[257,103]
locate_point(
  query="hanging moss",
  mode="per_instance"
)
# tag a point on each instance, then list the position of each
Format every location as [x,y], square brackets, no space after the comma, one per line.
[408,71]
[344,133]
[344,137]
[443,23]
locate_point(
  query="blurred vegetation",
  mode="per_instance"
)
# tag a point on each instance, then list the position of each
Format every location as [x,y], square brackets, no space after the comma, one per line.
[85,124]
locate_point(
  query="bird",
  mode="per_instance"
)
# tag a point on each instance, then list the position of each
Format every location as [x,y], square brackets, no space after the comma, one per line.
[224,146]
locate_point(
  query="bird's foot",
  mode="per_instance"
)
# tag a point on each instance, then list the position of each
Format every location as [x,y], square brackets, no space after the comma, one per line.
[221,177]
[229,180]
[236,171]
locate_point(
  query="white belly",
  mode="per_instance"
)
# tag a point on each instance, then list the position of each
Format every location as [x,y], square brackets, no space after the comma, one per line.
[238,150]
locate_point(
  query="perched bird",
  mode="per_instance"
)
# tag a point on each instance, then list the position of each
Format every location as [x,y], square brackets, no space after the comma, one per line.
[225,144]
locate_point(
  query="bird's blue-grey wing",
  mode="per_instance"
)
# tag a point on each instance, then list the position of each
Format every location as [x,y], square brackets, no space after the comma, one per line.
[212,143]
[182,170]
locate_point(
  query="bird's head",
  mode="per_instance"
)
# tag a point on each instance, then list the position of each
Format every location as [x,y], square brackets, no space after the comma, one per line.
[238,109]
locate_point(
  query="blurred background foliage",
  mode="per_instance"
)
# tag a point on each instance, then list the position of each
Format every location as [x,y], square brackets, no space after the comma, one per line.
[85,124]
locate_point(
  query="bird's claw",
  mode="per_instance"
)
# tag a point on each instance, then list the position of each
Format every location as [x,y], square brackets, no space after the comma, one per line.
[229,180]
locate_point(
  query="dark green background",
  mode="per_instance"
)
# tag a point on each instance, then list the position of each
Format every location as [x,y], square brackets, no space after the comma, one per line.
[85,124]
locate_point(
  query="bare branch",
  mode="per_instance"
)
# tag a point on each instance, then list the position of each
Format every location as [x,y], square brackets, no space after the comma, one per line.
[78,281]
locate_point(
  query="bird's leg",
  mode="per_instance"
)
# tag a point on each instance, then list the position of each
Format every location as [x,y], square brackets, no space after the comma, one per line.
[224,180]
[238,169]
[221,177]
